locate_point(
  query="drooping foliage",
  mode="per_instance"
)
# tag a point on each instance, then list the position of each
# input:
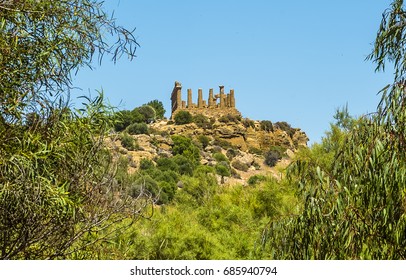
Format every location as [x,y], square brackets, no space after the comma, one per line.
[56,177]
[355,205]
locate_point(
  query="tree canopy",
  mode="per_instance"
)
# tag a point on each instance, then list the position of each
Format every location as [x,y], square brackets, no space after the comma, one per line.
[43,43]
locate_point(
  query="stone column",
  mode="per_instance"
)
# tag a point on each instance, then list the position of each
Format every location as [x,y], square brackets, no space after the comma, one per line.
[183,104]
[228,101]
[222,98]
[189,99]
[200,99]
[211,99]
[176,97]
[232,99]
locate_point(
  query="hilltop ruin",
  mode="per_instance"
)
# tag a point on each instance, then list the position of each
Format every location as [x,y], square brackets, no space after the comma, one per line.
[217,104]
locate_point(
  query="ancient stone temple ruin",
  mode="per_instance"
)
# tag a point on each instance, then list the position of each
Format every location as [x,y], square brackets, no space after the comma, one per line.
[217,104]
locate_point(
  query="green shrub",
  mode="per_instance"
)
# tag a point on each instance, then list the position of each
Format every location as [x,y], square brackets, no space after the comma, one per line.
[147,112]
[231,153]
[281,150]
[222,169]
[184,146]
[285,127]
[256,151]
[256,165]
[240,165]
[202,121]
[165,164]
[253,180]
[167,192]
[169,176]
[234,173]
[222,143]
[266,126]
[129,142]
[204,140]
[248,123]
[219,157]
[272,157]
[229,118]
[158,107]
[183,117]
[186,166]
[143,183]
[122,119]
[137,128]
[146,164]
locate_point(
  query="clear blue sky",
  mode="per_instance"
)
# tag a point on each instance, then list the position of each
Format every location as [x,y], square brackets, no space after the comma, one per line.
[294,61]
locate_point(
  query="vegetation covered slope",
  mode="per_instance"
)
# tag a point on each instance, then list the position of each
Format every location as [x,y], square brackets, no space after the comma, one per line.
[65,194]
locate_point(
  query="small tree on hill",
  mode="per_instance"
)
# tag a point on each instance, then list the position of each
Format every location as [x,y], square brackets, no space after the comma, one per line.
[183,117]
[223,170]
[158,107]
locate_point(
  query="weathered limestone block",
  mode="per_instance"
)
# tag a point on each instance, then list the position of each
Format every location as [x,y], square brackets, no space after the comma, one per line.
[238,142]
[230,131]
[245,158]
[282,139]
[251,138]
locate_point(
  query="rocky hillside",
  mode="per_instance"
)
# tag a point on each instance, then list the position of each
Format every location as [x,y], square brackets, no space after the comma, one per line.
[245,144]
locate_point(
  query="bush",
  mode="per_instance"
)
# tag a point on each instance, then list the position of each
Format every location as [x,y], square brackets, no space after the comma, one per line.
[165,164]
[129,142]
[122,119]
[186,166]
[223,169]
[229,118]
[248,123]
[202,121]
[231,153]
[240,165]
[183,117]
[167,192]
[147,112]
[184,146]
[204,140]
[281,150]
[253,180]
[219,157]
[272,157]
[137,128]
[158,107]
[285,127]
[234,173]
[266,126]
[146,164]
[256,151]
[169,176]
[222,143]
[144,182]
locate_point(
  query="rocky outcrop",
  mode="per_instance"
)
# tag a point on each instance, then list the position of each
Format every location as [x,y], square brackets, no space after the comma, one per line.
[239,136]
[244,145]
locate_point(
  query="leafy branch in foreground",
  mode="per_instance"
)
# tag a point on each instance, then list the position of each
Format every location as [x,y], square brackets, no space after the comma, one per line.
[55,187]
[43,42]
[356,207]
[56,174]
